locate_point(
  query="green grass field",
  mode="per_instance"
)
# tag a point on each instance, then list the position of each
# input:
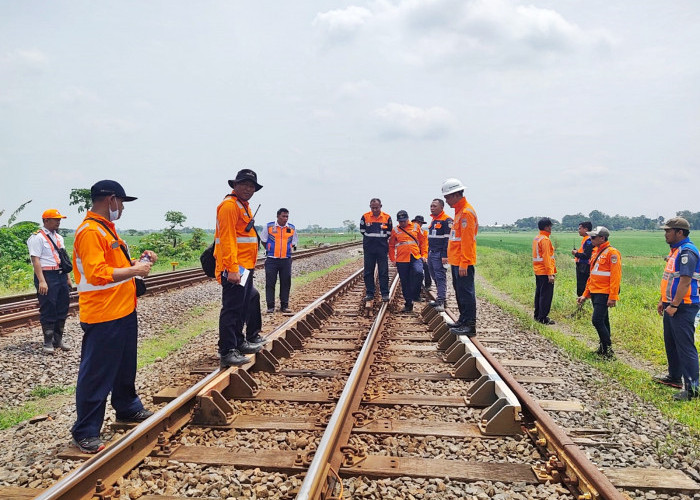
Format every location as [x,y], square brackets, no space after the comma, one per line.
[505,260]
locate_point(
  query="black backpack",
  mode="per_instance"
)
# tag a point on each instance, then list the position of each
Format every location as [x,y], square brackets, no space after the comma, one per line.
[208,261]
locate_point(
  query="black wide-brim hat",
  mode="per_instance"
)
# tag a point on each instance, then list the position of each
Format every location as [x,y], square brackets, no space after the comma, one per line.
[246,175]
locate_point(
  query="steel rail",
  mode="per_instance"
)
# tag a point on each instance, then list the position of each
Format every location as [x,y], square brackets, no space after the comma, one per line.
[110,464]
[605,489]
[314,481]
[25,307]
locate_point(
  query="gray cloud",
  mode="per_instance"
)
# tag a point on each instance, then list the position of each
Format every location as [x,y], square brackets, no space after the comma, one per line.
[404,121]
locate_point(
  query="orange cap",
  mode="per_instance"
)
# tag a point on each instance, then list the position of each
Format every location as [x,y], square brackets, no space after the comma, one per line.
[52,213]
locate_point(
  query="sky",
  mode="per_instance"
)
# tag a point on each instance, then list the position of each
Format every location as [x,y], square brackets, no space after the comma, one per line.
[540,108]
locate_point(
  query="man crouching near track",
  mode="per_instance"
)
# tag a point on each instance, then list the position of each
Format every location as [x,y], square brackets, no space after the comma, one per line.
[104,275]
[236,250]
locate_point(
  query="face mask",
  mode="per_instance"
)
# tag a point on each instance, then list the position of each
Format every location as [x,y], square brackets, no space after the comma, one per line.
[113,214]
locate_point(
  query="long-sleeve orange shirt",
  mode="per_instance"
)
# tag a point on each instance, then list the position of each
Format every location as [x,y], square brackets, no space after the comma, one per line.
[406,242]
[543,261]
[234,246]
[95,256]
[461,250]
[606,272]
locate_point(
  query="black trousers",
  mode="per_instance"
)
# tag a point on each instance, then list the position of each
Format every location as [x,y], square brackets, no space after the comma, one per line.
[273,267]
[465,293]
[240,306]
[581,279]
[379,259]
[600,318]
[54,305]
[544,292]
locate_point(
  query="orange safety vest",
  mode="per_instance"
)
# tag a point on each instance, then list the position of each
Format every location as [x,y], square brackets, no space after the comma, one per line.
[406,242]
[461,250]
[543,261]
[95,256]
[606,272]
[234,246]
[671,277]
[279,240]
[580,248]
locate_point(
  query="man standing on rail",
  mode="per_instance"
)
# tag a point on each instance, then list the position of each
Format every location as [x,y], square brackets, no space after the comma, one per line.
[427,281]
[679,303]
[236,251]
[104,275]
[279,238]
[408,249]
[375,227]
[583,257]
[603,287]
[52,284]
[461,255]
[545,270]
[438,238]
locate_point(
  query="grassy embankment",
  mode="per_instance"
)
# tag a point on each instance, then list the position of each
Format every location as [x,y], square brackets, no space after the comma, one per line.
[196,322]
[505,260]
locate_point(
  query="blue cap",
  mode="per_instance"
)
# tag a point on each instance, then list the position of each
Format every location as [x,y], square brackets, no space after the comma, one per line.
[108,188]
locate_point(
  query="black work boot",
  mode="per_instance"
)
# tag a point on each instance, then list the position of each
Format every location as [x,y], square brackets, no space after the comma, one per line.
[58,335]
[48,338]
[407,308]
[468,329]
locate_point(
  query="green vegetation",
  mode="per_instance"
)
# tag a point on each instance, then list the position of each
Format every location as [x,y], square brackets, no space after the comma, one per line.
[505,260]
[44,392]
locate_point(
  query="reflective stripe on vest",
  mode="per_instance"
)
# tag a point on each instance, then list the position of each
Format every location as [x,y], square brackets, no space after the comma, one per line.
[536,250]
[671,277]
[597,263]
[246,239]
[84,286]
[53,251]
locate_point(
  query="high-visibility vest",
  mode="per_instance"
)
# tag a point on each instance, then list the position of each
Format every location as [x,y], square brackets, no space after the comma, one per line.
[580,248]
[375,231]
[671,276]
[234,245]
[406,242]
[543,261]
[606,272]
[279,240]
[95,256]
[439,233]
[461,249]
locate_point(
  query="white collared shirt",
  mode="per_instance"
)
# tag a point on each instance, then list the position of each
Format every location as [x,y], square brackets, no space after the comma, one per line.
[40,247]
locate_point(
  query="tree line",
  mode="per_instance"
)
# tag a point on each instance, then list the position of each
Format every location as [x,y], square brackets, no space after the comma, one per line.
[612,222]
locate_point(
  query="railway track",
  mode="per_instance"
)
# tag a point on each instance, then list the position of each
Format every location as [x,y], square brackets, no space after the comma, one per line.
[21,310]
[347,395]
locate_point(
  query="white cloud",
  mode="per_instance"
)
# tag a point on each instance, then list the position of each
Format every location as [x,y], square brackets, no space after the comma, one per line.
[404,121]
[350,90]
[342,24]
[485,32]
[31,59]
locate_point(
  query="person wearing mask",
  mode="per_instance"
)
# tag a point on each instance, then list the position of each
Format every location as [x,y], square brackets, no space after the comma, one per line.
[105,278]
[545,268]
[679,303]
[52,284]
[408,249]
[603,287]
[375,227]
[279,238]
[438,239]
[461,255]
[236,251]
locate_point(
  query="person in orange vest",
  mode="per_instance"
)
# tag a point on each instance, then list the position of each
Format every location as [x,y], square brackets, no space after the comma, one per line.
[236,251]
[104,276]
[438,239]
[545,269]
[375,227]
[679,304]
[279,238]
[52,284]
[408,249]
[427,281]
[582,256]
[603,287]
[461,255]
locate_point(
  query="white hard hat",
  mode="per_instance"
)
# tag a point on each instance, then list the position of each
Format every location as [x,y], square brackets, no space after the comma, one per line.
[452,185]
